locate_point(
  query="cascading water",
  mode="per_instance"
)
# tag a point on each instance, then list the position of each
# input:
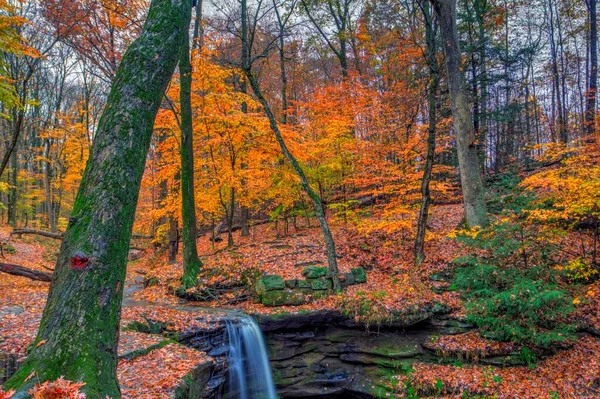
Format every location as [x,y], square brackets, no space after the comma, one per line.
[249,373]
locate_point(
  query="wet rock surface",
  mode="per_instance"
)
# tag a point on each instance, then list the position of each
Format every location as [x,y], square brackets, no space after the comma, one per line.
[327,354]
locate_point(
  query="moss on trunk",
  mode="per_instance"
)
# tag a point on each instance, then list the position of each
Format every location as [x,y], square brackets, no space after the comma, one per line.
[78,333]
[191,262]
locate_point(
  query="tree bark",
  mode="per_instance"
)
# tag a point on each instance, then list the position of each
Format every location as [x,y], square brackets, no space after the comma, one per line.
[191,262]
[590,108]
[79,329]
[559,111]
[314,197]
[47,186]
[173,240]
[419,249]
[13,189]
[244,211]
[17,270]
[466,143]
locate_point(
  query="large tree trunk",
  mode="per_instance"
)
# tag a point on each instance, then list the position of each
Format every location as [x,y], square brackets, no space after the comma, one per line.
[191,262]
[419,250]
[466,143]
[481,12]
[78,332]
[590,112]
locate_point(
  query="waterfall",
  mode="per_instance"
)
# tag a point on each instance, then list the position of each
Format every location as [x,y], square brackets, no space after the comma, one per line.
[249,374]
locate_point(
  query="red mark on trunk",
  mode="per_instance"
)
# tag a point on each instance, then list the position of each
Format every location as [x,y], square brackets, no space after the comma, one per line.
[79,261]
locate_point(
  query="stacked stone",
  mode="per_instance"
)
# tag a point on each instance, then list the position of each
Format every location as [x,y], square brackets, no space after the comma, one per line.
[273,290]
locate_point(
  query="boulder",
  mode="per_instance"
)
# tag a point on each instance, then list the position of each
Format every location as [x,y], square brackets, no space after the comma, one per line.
[347,279]
[303,284]
[321,284]
[283,298]
[360,276]
[291,283]
[269,283]
[314,272]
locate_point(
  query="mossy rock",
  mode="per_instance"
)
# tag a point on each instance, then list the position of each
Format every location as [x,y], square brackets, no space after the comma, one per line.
[360,276]
[283,298]
[321,284]
[314,272]
[315,294]
[303,284]
[347,279]
[269,283]
[291,283]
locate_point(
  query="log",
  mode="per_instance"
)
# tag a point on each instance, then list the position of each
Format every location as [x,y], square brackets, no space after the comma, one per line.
[59,236]
[24,272]
[49,234]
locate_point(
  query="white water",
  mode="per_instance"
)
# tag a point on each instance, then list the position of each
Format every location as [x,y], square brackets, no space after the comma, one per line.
[248,363]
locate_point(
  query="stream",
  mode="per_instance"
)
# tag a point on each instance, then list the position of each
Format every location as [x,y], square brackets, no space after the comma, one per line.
[241,348]
[319,354]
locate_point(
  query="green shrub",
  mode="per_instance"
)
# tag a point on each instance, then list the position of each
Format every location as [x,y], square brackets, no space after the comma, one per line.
[512,291]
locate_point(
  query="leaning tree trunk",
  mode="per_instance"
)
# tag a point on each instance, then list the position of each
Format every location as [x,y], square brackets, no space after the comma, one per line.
[466,143]
[78,332]
[314,197]
[191,262]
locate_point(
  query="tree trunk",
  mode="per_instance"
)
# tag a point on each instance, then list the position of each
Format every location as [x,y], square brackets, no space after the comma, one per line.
[47,186]
[13,192]
[173,239]
[480,13]
[230,211]
[590,106]
[191,262]
[79,329]
[18,125]
[283,75]
[466,143]
[245,212]
[316,200]
[559,112]
[419,249]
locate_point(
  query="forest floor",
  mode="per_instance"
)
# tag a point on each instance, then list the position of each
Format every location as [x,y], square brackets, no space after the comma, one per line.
[151,367]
